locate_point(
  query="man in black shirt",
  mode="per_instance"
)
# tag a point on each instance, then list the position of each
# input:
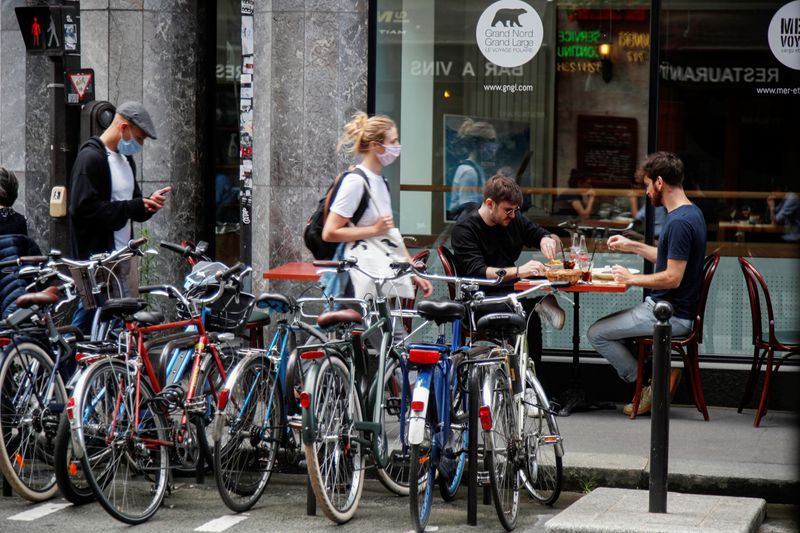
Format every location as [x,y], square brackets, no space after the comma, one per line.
[491,238]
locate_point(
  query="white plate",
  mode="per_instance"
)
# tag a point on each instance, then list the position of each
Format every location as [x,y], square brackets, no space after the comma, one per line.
[605,273]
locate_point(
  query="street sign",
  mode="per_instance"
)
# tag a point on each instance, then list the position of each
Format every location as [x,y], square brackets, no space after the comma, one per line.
[50,30]
[80,86]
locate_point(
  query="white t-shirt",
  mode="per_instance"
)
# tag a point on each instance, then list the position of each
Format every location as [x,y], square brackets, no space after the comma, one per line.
[121,189]
[351,191]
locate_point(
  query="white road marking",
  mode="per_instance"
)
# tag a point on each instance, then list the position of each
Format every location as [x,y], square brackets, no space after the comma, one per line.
[222,523]
[39,511]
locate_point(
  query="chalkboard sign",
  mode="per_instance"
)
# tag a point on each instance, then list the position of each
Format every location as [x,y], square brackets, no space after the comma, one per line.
[607,149]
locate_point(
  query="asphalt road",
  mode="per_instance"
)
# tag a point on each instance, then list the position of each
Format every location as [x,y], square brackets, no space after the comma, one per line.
[193,507]
[281,508]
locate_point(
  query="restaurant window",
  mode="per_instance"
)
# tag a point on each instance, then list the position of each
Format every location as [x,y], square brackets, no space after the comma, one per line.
[227,226]
[556,94]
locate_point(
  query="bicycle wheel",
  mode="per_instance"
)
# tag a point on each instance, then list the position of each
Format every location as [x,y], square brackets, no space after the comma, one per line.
[395,475]
[542,465]
[126,464]
[196,451]
[29,419]
[500,443]
[247,429]
[423,468]
[335,459]
[70,478]
[454,456]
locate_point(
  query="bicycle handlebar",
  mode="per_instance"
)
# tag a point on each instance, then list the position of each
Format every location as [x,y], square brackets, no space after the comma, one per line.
[514,296]
[24,260]
[501,274]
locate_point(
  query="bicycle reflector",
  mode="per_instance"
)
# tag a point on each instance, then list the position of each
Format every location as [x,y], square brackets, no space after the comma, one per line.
[222,401]
[485,413]
[313,354]
[423,357]
[305,400]
[417,405]
[5,341]
[70,409]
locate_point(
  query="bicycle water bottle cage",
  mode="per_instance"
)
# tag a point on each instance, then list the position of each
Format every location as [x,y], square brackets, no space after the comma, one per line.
[441,312]
[340,317]
[501,325]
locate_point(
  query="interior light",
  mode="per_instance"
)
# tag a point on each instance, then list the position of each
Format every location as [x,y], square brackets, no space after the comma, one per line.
[447,93]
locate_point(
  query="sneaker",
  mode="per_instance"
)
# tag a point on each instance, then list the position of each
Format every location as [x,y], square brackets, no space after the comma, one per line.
[549,311]
[645,404]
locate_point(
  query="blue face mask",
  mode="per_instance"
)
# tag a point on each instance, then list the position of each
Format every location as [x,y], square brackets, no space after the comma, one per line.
[128,147]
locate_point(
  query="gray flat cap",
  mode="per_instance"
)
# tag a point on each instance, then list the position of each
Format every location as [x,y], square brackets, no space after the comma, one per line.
[136,113]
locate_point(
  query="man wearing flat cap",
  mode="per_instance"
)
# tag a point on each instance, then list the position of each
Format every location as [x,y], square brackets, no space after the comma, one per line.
[104,196]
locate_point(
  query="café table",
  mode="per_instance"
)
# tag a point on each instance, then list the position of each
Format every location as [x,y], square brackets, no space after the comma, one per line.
[575,396]
[296,271]
[726,228]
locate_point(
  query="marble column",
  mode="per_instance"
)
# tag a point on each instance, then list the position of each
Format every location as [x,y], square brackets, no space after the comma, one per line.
[310,76]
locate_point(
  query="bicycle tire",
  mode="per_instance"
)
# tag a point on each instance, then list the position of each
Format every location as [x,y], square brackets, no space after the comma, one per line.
[340,494]
[247,435]
[71,481]
[422,467]
[29,423]
[543,466]
[454,456]
[116,463]
[395,475]
[500,457]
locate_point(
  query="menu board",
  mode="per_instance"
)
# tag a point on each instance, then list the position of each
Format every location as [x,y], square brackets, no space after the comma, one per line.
[607,149]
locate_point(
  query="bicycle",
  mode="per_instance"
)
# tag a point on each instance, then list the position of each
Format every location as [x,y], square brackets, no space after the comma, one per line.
[519,449]
[34,366]
[338,388]
[122,425]
[439,408]
[254,406]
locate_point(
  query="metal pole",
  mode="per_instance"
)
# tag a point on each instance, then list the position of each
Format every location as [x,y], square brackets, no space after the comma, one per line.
[472,473]
[652,115]
[659,425]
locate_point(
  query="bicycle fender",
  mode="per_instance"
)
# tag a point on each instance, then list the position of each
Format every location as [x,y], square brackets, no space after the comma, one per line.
[309,430]
[230,381]
[421,393]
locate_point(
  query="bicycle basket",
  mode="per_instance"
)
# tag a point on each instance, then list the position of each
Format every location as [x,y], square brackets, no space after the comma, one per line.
[227,314]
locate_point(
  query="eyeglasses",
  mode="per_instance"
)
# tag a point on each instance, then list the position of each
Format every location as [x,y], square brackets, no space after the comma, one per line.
[509,210]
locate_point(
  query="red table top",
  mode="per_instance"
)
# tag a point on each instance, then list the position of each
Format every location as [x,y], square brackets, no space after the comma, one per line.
[294,271]
[599,286]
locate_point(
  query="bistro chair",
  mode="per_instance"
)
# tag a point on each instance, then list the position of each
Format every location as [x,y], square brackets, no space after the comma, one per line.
[408,303]
[449,264]
[687,347]
[764,345]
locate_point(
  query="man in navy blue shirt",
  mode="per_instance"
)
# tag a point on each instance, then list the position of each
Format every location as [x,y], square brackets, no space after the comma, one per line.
[678,274]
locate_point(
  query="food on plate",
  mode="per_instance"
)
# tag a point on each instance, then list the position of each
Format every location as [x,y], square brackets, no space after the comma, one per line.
[572,276]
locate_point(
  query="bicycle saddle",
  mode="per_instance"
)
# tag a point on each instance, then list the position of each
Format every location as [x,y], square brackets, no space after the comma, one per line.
[501,324]
[148,318]
[121,308]
[342,316]
[275,302]
[441,312]
[45,297]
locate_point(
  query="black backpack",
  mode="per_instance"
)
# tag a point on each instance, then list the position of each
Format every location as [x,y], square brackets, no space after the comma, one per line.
[312,235]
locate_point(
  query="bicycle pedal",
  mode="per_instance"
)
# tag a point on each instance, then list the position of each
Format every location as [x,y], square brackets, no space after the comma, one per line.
[196,406]
[483,478]
[392,406]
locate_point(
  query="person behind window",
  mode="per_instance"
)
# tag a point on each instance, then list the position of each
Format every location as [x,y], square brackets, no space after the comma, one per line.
[11,222]
[638,213]
[576,203]
[784,210]
[376,142]
[479,140]
[677,279]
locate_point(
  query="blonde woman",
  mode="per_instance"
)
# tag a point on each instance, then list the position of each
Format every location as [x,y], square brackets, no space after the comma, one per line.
[351,219]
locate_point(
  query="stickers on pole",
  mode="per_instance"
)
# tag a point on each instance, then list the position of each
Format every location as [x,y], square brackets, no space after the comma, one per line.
[509,33]
[80,86]
[784,35]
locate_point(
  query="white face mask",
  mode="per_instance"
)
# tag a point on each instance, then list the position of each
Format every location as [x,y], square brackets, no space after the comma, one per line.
[391,153]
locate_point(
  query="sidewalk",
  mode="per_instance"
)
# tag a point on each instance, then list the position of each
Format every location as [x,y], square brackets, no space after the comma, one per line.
[725,456]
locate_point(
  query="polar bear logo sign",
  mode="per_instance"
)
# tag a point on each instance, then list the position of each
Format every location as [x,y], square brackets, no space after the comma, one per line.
[508,17]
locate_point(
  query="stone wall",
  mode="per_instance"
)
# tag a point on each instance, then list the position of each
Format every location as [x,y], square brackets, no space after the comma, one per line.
[310,76]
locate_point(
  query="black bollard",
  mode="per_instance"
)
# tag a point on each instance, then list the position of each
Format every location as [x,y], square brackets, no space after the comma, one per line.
[659,423]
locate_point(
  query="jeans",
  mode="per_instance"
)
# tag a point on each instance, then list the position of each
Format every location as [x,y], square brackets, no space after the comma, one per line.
[608,333]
